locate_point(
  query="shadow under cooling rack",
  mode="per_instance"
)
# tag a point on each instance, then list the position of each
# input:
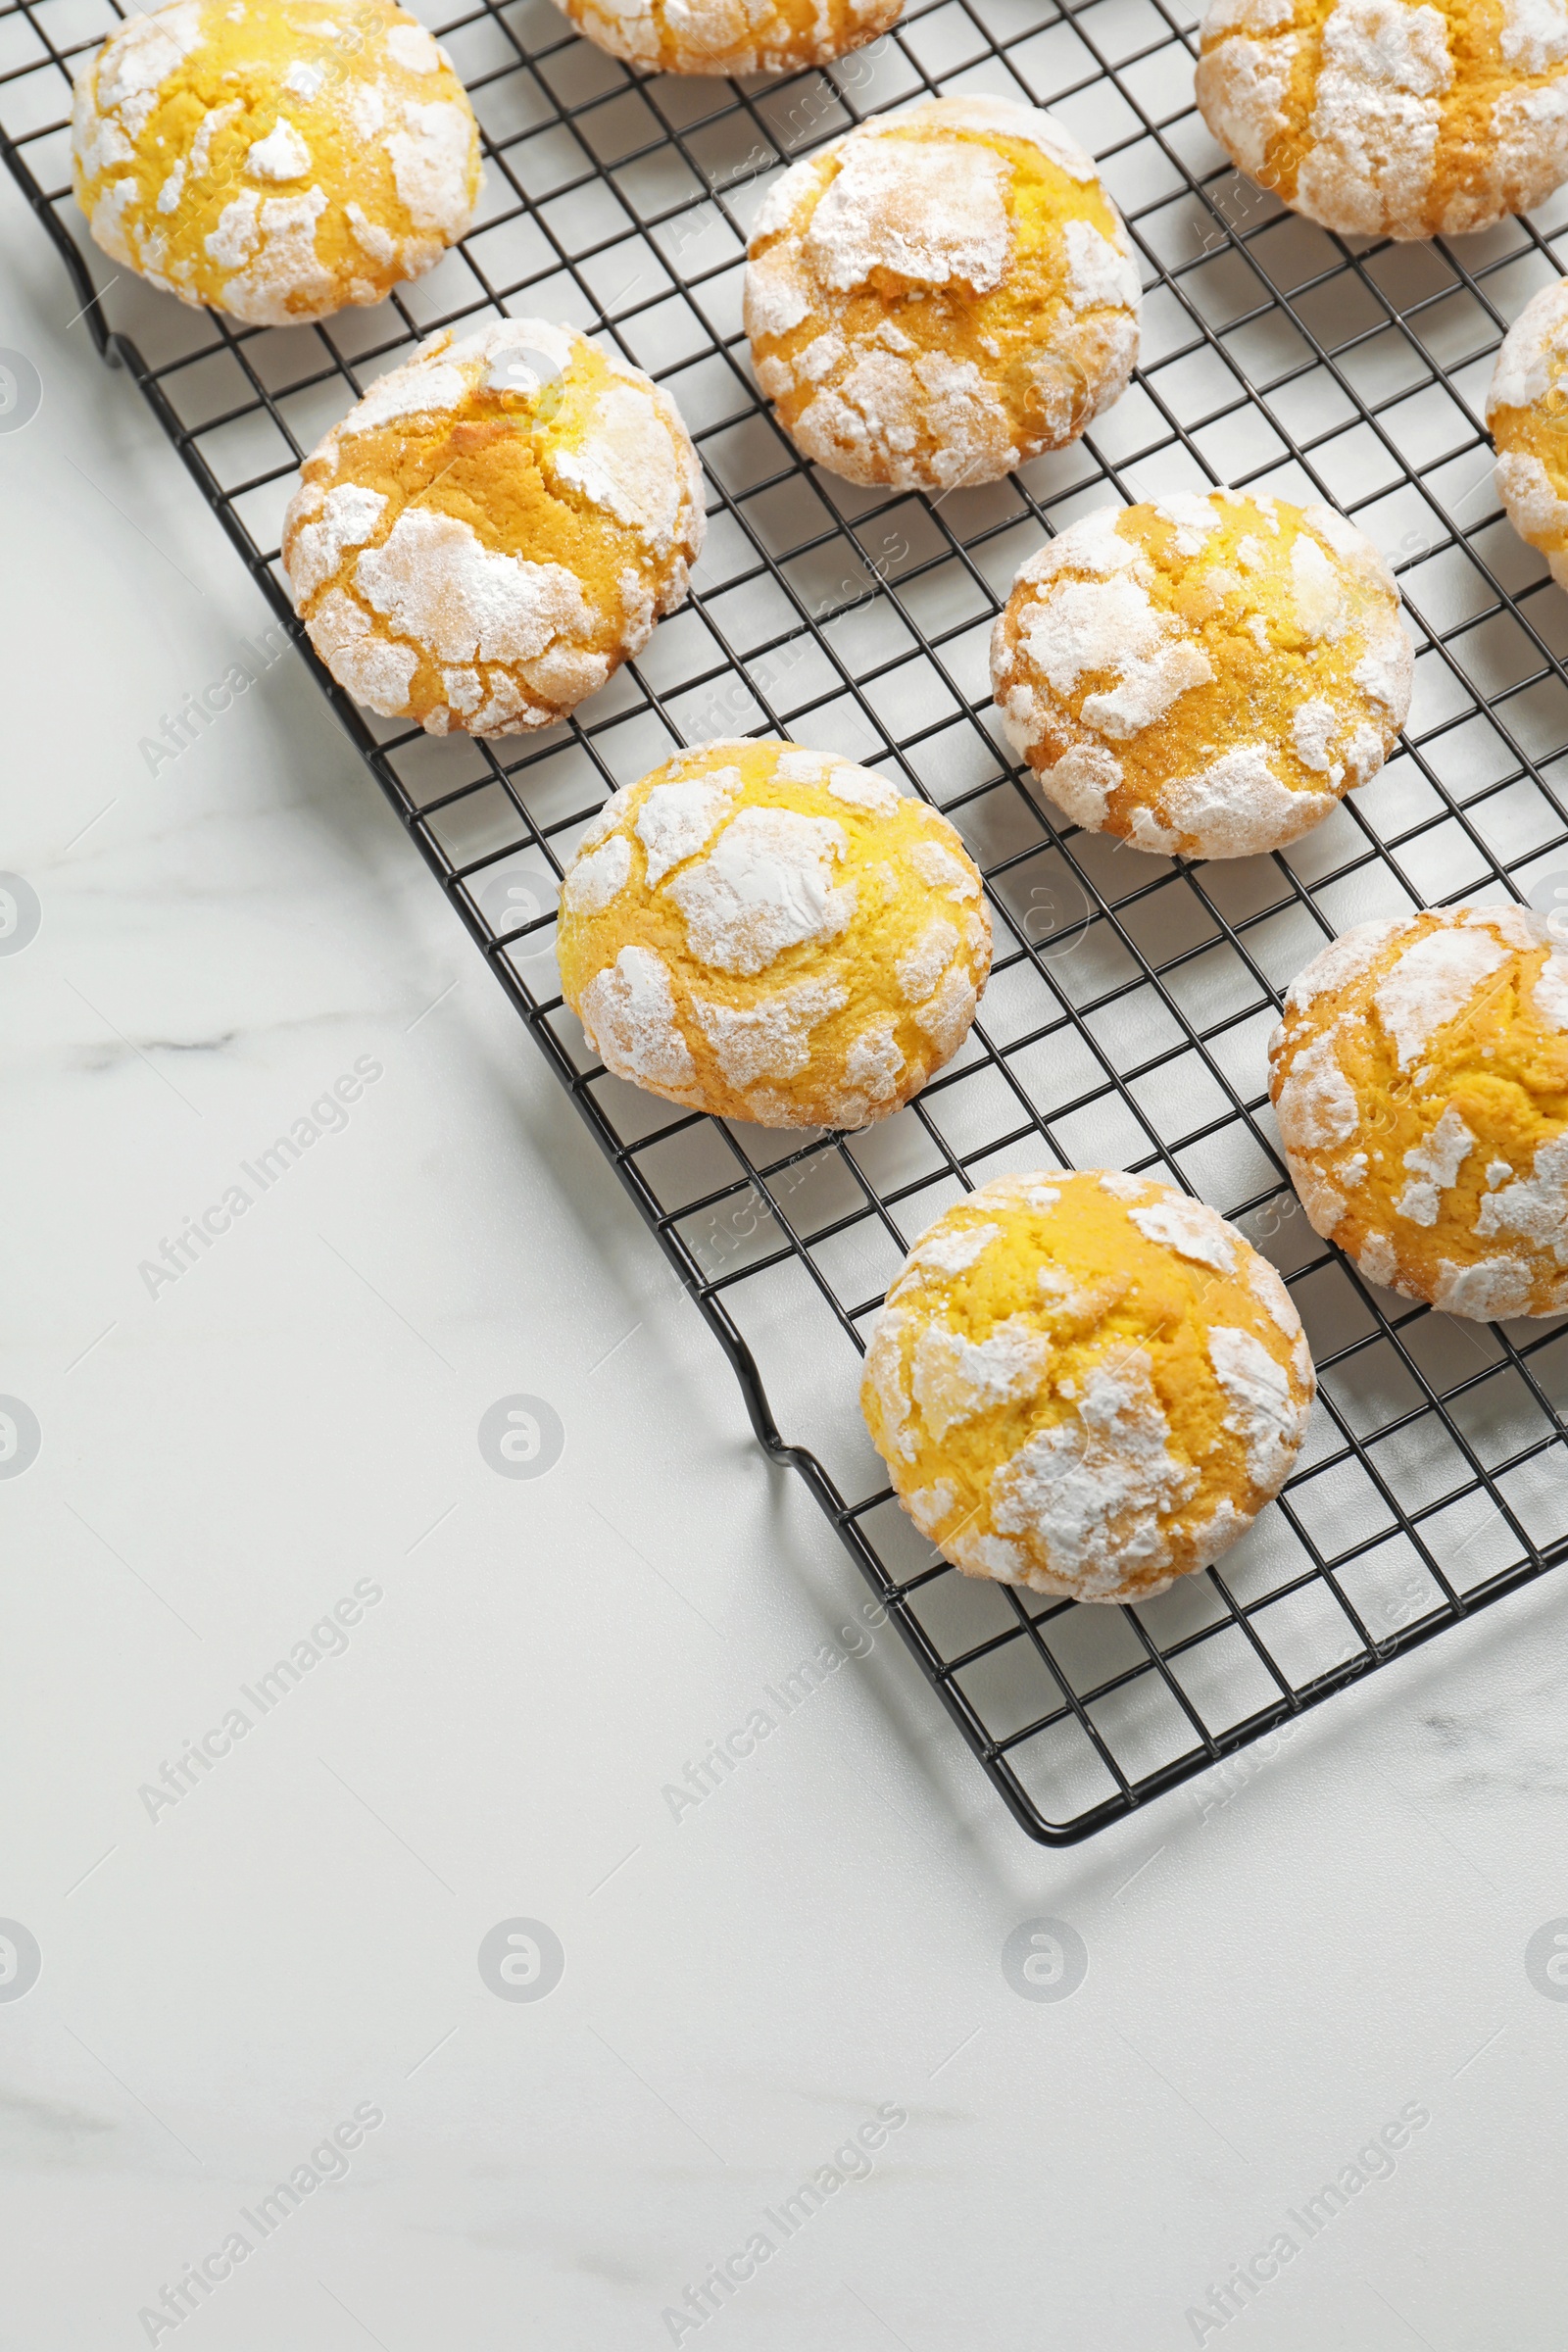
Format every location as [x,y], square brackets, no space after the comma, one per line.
[1130,996]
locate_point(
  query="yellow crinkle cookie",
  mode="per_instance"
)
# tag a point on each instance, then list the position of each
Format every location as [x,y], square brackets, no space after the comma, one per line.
[492,530]
[1380,119]
[1421,1080]
[772,934]
[941,294]
[1202,676]
[730,37]
[1526,416]
[276,159]
[1088,1384]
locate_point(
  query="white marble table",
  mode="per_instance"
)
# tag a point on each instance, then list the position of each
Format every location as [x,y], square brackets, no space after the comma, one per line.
[783,2043]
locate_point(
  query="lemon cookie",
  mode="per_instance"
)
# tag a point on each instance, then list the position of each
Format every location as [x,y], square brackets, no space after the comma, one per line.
[730,37]
[1526,417]
[1380,119]
[1088,1384]
[492,530]
[941,294]
[276,159]
[1421,1079]
[772,934]
[1202,676]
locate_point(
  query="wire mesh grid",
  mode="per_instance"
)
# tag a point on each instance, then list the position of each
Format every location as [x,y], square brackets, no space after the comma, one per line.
[1130,996]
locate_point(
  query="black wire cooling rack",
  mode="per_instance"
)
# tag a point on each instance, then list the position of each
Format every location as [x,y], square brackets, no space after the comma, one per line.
[1126,1018]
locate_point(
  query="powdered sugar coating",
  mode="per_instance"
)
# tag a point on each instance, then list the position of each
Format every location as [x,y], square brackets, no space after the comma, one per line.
[1384,117]
[281,155]
[937,866]
[597,878]
[1421,1081]
[1526,413]
[349,162]
[816,975]
[930,211]
[1266,1413]
[950,1248]
[1550,992]
[1317,1107]
[1533,357]
[1341,961]
[1090,1492]
[856,785]
[404,531]
[432,580]
[1137,640]
[1487,1290]
[1190,1228]
[940,294]
[1515,925]
[729,37]
[1533,1206]
[770,1040]
[676,820]
[765,885]
[955,1377]
[1429,982]
[1088,1386]
[629,1011]
[1433,1167]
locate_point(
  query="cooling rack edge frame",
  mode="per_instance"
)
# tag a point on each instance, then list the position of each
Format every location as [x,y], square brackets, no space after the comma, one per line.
[119,350]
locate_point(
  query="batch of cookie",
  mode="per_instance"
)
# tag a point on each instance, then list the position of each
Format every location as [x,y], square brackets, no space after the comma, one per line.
[1086,1383]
